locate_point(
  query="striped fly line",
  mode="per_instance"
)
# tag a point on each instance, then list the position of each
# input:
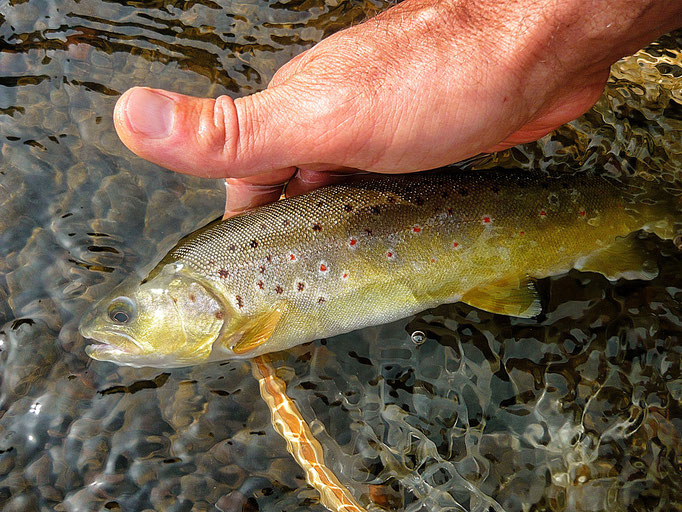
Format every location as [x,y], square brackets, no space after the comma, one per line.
[301,444]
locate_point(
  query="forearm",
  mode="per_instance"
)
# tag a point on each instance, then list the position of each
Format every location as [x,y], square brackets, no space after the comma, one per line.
[569,35]
[536,41]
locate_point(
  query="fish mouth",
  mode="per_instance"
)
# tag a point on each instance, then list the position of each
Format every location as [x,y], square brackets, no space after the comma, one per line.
[111,345]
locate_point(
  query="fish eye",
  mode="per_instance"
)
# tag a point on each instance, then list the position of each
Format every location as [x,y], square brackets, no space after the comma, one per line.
[121,310]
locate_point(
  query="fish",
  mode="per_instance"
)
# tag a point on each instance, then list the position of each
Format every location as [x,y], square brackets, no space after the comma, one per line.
[373,250]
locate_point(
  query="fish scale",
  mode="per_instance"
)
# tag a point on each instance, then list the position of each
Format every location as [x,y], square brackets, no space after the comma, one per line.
[379,248]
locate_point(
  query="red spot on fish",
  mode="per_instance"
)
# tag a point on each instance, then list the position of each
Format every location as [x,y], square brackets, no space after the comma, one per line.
[522,233]
[416,229]
[433,260]
[323,267]
[292,257]
[352,242]
[543,213]
[455,244]
[486,220]
[582,213]
[389,254]
[223,273]
[260,284]
[344,276]
[240,301]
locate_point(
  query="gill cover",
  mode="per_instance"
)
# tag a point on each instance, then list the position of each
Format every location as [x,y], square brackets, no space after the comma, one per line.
[168,321]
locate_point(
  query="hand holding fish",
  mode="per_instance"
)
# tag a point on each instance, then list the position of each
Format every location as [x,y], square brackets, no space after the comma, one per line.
[424,84]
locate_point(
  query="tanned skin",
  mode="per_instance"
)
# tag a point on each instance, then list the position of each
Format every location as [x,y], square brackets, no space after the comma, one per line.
[424,84]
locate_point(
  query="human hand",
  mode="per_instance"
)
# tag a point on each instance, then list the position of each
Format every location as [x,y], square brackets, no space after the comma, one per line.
[424,84]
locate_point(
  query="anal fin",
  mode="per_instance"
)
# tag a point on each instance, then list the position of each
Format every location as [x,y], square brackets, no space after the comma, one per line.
[626,258]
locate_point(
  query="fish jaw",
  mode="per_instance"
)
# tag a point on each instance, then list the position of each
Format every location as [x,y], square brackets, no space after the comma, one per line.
[122,350]
[112,346]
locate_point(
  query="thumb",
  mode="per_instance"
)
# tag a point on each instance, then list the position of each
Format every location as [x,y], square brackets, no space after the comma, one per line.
[214,138]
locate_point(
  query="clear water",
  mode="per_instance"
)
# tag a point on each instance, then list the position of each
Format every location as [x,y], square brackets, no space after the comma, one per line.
[579,409]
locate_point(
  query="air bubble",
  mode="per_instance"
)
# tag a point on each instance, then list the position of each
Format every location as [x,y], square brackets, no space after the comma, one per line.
[418,337]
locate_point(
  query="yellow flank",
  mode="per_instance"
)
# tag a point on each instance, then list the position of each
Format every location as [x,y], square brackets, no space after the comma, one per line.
[374,250]
[301,444]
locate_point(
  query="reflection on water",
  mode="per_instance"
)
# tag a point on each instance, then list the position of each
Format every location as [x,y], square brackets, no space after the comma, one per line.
[576,410]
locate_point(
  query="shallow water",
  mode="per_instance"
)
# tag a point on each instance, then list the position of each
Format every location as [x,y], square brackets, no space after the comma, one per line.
[578,409]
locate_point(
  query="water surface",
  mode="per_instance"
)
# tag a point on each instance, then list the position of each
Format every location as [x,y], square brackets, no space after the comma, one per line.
[578,409]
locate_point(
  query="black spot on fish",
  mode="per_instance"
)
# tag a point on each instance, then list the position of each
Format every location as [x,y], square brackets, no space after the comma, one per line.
[232,247]
[375,210]
[444,195]
[368,231]
[348,208]
[262,269]
[321,300]
[279,289]
[317,227]
[320,204]
[219,315]
[419,201]
[449,212]
[285,222]
[269,258]
[264,227]
[544,185]
[254,243]
[495,189]
[300,287]
[223,273]
[260,284]
[390,199]
[192,297]
[464,192]
[240,301]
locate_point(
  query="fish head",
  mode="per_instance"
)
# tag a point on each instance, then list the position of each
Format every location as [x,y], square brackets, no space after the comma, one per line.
[170,320]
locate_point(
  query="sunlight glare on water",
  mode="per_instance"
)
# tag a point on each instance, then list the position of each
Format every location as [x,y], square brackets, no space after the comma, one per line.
[578,409]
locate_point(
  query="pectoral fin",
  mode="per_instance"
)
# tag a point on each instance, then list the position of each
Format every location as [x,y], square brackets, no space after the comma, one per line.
[513,296]
[626,258]
[256,330]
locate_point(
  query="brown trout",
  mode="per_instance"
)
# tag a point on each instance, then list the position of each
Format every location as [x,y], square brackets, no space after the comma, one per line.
[370,251]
